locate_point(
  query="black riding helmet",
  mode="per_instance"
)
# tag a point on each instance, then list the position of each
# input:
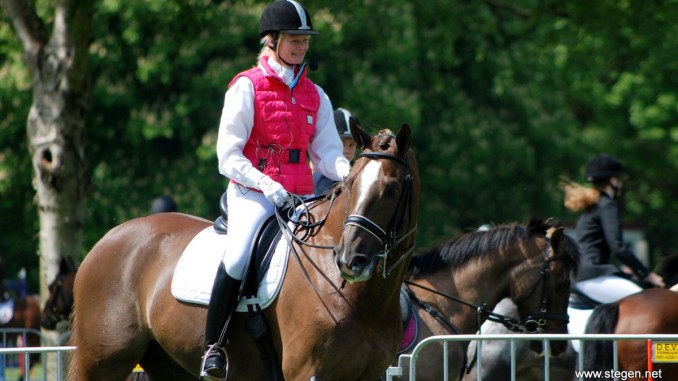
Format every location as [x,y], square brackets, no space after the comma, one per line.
[341,120]
[602,167]
[287,16]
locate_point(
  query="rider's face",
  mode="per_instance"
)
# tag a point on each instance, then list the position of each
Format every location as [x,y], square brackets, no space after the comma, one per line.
[293,47]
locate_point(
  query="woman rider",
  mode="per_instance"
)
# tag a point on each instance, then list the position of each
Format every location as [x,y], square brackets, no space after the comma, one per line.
[599,233]
[273,116]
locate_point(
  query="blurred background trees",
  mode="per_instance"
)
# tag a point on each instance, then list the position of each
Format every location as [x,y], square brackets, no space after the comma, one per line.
[505,99]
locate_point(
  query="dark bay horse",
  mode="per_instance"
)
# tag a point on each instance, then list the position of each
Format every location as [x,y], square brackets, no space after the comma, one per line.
[651,311]
[59,303]
[337,314]
[531,264]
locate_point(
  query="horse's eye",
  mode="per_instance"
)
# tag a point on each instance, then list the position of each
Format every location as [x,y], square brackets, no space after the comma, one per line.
[392,189]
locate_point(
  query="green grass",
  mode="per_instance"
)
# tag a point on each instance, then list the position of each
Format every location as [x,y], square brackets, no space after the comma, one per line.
[12,373]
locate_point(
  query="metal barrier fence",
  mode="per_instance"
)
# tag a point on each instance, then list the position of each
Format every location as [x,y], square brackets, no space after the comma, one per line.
[411,359]
[14,357]
[27,351]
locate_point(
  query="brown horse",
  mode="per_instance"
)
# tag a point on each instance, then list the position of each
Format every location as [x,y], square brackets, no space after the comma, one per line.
[337,314]
[462,280]
[652,311]
[25,318]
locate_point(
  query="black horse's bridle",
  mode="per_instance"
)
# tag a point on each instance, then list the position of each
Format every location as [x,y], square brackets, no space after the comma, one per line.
[530,324]
[60,295]
[536,323]
[388,239]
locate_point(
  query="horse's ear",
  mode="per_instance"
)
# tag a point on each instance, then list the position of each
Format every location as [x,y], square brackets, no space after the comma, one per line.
[557,238]
[404,138]
[361,138]
[67,265]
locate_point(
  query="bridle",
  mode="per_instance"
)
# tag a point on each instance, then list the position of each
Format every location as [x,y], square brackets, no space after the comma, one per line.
[531,324]
[536,323]
[388,239]
[60,295]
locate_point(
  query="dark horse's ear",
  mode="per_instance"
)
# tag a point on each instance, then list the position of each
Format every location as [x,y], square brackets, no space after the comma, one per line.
[67,265]
[557,238]
[361,138]
[404,139]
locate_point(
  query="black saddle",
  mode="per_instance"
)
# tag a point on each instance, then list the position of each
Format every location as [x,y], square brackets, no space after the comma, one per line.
[220,224]
[581,301]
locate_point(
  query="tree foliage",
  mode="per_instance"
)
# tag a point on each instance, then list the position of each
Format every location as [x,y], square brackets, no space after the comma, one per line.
[505,98]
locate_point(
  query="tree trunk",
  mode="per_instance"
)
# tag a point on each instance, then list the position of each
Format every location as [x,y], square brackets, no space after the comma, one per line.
[58,66]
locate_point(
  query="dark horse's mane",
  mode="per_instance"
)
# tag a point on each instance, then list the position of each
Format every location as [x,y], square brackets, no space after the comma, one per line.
[458,251]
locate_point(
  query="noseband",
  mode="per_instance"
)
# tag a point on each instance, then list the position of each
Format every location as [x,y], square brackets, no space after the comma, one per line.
[536,323]
[388,239]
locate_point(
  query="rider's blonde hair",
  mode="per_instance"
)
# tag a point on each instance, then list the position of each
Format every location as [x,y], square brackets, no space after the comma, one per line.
[579,197]
[266,43]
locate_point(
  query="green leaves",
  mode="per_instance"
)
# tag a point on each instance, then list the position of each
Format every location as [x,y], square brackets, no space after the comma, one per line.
[504,98]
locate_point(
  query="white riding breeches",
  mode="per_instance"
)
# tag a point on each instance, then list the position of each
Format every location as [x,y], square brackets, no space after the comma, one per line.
[247,209]
[608,288]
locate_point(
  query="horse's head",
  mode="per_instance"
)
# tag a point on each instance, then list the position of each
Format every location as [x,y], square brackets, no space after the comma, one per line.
[382,193]
[541,289]
[60,299]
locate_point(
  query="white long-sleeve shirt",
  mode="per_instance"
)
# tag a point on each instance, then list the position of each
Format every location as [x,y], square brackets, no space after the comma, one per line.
[237,120]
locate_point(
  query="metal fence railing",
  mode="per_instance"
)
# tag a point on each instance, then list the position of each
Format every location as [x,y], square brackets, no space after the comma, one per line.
[410,360]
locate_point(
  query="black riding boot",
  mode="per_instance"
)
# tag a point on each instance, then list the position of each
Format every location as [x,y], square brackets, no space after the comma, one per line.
[223,302]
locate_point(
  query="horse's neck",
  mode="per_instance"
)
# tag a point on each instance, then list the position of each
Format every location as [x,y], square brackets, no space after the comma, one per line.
[481,283]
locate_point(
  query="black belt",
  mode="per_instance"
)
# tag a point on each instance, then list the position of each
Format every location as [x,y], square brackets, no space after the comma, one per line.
[294,156]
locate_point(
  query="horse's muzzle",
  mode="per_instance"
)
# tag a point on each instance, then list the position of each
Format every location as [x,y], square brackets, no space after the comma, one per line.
[557,347]
[49,322]
[354,267]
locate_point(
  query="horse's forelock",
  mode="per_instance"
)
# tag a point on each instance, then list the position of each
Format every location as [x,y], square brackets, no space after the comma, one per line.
[384,141]
[537,226]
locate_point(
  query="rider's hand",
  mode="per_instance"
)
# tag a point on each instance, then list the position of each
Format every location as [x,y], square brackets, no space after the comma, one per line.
[275,193]
[655,280]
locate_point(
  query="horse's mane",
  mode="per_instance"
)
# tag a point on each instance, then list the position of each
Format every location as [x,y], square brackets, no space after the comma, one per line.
[457,251]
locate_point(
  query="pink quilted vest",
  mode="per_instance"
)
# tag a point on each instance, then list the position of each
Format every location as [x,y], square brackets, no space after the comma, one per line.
[284,121]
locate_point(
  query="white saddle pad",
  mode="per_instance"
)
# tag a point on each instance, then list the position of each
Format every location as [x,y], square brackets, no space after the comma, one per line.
[577,324]
[195,272]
